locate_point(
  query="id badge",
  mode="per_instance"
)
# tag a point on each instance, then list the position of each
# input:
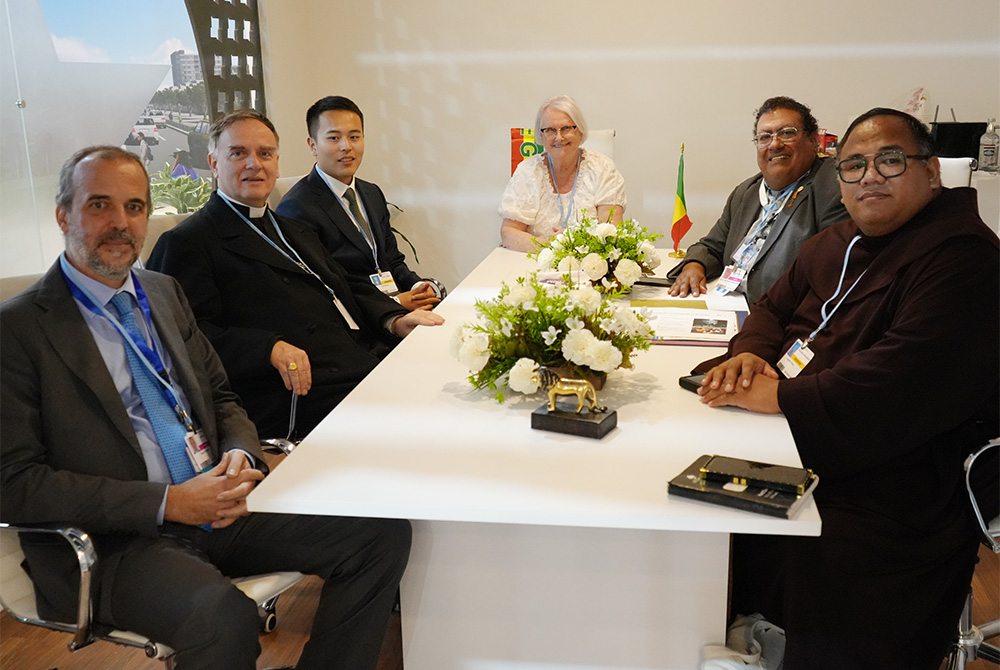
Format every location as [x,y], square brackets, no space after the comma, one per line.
[197,450]
[796,358]
[384,282]
[730,280]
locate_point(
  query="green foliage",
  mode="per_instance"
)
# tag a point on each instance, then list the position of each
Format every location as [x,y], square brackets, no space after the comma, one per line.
[184,194]
[611,255]
[533,320]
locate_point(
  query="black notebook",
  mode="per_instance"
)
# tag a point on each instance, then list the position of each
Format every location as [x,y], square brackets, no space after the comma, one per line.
[754,498]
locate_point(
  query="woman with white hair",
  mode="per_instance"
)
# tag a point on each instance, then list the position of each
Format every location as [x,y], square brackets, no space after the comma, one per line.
[548,191]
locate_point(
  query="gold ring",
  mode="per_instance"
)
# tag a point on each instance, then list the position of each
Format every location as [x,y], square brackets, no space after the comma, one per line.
[293,367]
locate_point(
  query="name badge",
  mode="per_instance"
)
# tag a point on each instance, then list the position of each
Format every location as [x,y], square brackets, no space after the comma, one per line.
[384,282]
[796,358]
[197,450]
[730,280]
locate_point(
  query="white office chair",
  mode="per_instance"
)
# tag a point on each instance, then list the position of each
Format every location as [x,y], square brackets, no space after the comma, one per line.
[601,141]
[970,645]
[281,187]
[956,172]
[17,593]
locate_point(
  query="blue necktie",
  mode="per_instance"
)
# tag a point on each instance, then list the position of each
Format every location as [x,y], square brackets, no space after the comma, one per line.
[167,426]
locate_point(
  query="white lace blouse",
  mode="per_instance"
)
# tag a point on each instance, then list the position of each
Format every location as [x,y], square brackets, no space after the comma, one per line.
[529,197]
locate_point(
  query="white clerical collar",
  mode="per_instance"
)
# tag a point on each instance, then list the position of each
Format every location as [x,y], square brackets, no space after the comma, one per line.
[255,212]
[338,187]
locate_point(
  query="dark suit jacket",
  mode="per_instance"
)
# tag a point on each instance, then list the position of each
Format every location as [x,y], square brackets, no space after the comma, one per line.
[313,203]
[816,207]
[246,296]
[68,452]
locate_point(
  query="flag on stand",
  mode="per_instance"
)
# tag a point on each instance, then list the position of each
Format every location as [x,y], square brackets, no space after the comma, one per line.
[681,223]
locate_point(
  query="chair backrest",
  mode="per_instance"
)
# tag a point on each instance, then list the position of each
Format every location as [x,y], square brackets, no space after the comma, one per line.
[601,141]
[11,286]
[281,187]
[159,224]
[956,172]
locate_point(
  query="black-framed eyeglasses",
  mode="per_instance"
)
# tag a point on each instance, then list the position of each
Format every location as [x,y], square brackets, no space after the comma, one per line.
[786,134]
[889,164]
[551,132]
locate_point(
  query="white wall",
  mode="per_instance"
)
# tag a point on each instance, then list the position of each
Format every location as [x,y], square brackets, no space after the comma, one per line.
[441,82]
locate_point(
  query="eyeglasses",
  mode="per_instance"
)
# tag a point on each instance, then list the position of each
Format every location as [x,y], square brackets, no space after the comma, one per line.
[888,164]
[787,134]
[549,133]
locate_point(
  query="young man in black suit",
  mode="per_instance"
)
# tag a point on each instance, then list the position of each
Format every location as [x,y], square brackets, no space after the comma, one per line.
[350,215]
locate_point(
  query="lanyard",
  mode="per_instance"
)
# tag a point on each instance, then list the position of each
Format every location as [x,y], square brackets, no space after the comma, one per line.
[745,255]
[297,260]
[146,352]
[564,220]
[840,284]
[360,225]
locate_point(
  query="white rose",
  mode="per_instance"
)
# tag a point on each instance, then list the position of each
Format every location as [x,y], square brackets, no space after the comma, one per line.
[569,264]
[653,260]
[605,230]
[595,266]
[475,351]
[603,356]
[520,296]
[523,377]
[546,259]
[585,298]
[627,272]
[457,338]
[626,321]
[576,344]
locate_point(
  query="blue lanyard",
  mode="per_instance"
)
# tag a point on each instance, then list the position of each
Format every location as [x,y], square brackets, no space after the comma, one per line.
[146,352]
[840,284]
[564,220]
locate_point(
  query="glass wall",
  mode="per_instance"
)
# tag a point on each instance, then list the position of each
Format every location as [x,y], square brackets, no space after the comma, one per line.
[76,74]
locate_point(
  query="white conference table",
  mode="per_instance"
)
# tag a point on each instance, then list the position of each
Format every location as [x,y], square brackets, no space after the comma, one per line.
[534,550]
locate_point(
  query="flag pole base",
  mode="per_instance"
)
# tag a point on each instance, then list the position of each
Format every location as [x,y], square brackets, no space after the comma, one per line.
[680,253]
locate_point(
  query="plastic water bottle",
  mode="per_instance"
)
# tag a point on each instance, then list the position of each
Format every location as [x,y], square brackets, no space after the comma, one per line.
[988,158]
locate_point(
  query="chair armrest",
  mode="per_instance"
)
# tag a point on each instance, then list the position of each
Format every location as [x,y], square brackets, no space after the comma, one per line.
[86,557]
[989,536]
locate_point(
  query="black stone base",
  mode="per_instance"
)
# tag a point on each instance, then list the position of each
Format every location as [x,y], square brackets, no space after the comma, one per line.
[585,424]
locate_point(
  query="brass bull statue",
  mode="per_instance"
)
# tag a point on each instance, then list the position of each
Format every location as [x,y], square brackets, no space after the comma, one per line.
[555,386]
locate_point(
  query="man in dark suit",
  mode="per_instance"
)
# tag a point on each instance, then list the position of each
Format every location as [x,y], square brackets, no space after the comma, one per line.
[769,216]
[281,313]
[118,418]
[350,215]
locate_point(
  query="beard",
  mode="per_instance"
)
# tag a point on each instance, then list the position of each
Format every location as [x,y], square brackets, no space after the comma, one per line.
[111,266]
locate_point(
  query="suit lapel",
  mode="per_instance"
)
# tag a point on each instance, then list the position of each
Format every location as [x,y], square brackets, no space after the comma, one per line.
[237,237]
[63,325]
[335,211]
[165,321]
[799,195]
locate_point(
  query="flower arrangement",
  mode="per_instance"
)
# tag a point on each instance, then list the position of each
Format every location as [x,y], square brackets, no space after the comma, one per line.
[612,256]
[531,324]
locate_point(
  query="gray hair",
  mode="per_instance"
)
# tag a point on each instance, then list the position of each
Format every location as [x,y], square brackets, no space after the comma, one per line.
[220,124]
[67,185]
[566,105]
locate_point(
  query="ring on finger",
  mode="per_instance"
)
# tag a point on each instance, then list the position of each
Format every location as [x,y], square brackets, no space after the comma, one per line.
[292,367]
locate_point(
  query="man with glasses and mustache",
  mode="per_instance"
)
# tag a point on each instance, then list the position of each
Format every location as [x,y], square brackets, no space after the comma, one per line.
[770,215]
[879,346]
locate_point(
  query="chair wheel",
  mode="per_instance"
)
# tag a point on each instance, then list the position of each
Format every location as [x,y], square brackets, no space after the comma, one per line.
[268,623]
